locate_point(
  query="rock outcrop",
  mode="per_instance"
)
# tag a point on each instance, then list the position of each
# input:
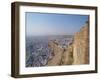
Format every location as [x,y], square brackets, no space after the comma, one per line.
[77,52]
[67,58]
[57,52]
[81,46]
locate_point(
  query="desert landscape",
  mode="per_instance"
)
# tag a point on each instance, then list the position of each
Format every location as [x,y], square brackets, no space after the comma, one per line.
[58,50]
[56,39]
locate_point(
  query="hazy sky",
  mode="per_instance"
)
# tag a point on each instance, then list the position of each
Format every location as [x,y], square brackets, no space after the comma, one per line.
[53,24]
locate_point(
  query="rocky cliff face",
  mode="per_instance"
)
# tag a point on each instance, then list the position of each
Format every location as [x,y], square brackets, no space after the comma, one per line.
[81,46]
[57,52]
[76,52]
[67,58]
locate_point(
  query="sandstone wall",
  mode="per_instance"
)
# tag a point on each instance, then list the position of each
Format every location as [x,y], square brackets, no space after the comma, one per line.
[81,46]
